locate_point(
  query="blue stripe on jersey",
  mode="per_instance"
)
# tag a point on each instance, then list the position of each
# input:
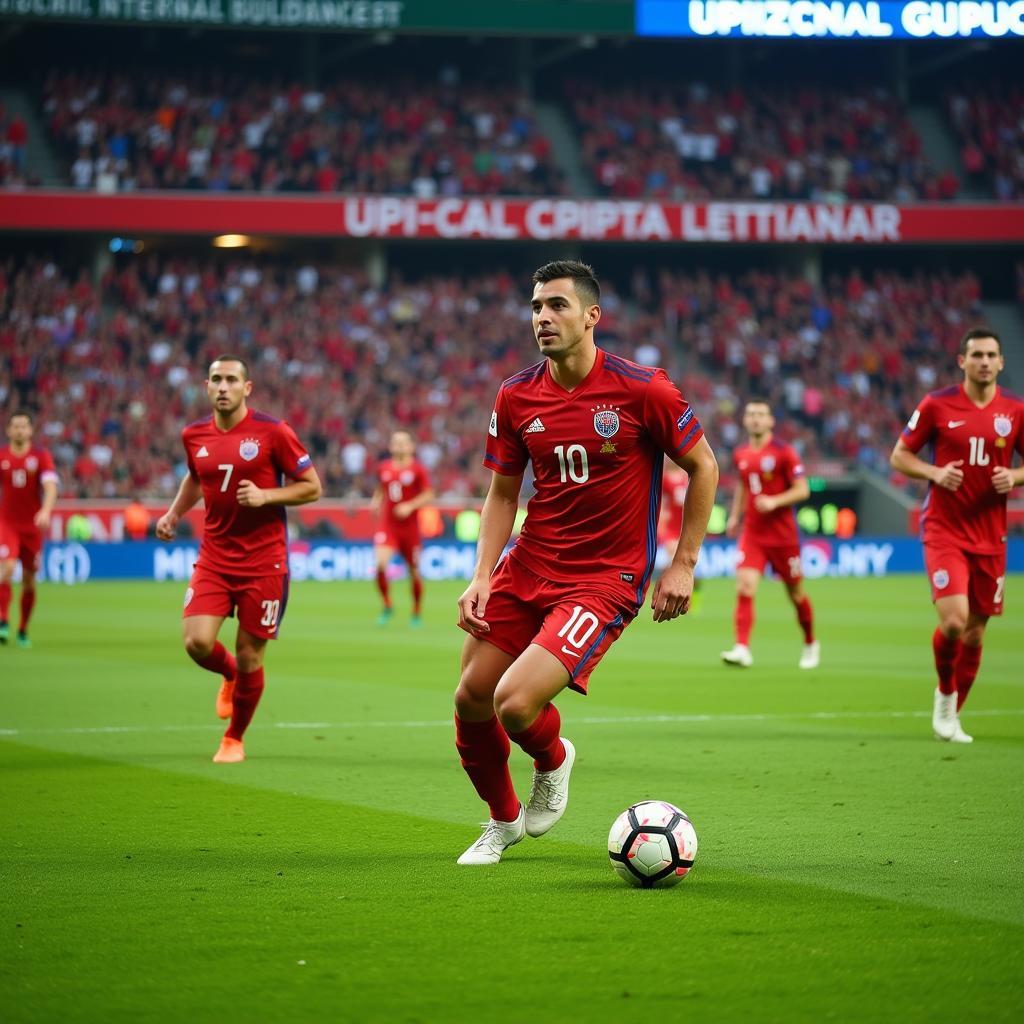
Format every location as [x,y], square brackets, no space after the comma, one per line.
[617,621]
[644,372]
[624,373]
[488,457]
[653,507]
[263,417]
[1006,393]
[524,376]
[686,440]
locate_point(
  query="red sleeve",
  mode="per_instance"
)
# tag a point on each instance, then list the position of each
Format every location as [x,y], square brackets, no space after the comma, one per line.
[423,477]
[188,458]
[1020,430]
[292,458]
[668,417]
[921,427]
[506,454]
[47,469]
[794,466]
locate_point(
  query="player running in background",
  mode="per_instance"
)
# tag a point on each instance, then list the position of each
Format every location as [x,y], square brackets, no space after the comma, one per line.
[771,482]
[670,525]
[974,428]
[28,492]
[595,428]
[403,488]
[237,460]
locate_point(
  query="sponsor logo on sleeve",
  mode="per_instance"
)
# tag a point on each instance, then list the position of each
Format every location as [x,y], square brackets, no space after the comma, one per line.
[912,423]
[684,419]
[304,462]
[493,428]
[189,594]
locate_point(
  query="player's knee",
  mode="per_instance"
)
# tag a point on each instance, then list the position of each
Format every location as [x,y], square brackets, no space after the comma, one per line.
[198,648]
[953,625]
[515,711]
[473,700]
[972,635]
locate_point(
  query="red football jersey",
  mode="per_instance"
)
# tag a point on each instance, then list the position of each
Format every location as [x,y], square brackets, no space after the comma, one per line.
[398,484]
[675,485]
[974,516]
[21,485]
[597,455]
[237,540]
[768,470]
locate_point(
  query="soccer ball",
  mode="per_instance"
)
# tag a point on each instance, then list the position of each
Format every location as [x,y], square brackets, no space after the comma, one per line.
[652,844]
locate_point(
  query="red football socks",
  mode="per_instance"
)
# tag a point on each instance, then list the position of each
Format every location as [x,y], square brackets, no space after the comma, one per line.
[248,690]
[966,672]
[541,740]
[484,749]
[805,616]
[744,619]
[219,661]
[417,594]
[5,600]
[28,602]
[382,586]
[946,653]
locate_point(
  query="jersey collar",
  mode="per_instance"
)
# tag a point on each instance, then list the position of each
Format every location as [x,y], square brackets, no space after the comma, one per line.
[591,376]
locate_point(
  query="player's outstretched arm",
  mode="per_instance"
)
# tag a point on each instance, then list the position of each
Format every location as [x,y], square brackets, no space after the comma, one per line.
[188,494]
[672,592]
[950,476]
[497,518]
[306,489]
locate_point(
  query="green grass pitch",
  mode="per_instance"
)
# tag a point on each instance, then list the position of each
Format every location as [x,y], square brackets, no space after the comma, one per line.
[850,867]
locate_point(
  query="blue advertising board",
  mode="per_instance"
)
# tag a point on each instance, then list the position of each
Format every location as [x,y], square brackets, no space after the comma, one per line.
[830,19]
[78,563]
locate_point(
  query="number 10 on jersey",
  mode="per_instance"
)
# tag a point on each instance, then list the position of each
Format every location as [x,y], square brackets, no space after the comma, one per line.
[572,463]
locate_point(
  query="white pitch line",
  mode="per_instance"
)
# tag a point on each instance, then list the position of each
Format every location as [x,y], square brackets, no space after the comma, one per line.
[447,722]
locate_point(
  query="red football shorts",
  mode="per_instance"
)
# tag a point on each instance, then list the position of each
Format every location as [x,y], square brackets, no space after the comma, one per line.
[575,624]
[952,570]
[24,545]
[783,558]
[405,540]
[260,600]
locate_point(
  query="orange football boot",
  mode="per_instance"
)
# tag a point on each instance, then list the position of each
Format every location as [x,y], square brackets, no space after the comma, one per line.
[229,752]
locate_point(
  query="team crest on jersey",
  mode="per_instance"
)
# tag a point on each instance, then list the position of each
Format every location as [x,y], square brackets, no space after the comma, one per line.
[768,463]
[606,422]
[1003,425]
[407,477]
[249,449]
[32,463]
[941,579]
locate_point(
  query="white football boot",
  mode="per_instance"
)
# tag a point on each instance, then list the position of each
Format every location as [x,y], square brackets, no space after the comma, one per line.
[944,719]
[497,838]
[549,795]
[959,736]
[810,656]
[739,656]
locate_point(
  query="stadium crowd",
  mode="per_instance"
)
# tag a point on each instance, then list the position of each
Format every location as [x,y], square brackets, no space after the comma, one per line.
[114,368]
[230,132]
[675,140]
[989,123]
[13,149]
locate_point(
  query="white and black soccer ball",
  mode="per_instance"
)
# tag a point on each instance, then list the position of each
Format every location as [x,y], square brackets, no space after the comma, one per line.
[652,844]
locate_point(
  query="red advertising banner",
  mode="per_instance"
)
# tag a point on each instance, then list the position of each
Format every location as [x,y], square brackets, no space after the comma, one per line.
[511,219]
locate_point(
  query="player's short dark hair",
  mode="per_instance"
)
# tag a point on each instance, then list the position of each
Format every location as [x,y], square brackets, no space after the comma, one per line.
[27,413]
[978,332]
[228,358]
[758,400]
[584,280]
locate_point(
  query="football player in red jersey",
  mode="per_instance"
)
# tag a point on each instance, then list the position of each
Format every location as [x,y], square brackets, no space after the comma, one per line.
[771,482]
[595,428]
[237,462]
[974,428]
[403,489]
[28,492]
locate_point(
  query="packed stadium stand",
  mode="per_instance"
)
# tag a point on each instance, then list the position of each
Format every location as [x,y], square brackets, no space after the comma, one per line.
[989,122]
[115,367]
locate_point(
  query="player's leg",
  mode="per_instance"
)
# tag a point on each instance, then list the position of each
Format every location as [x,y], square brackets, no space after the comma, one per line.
[748,577]
[31,558]
[786,564]
[261,603]
[483,748]
[411,554]
[984,599]
[383,551]
[949,575]
[9,549]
